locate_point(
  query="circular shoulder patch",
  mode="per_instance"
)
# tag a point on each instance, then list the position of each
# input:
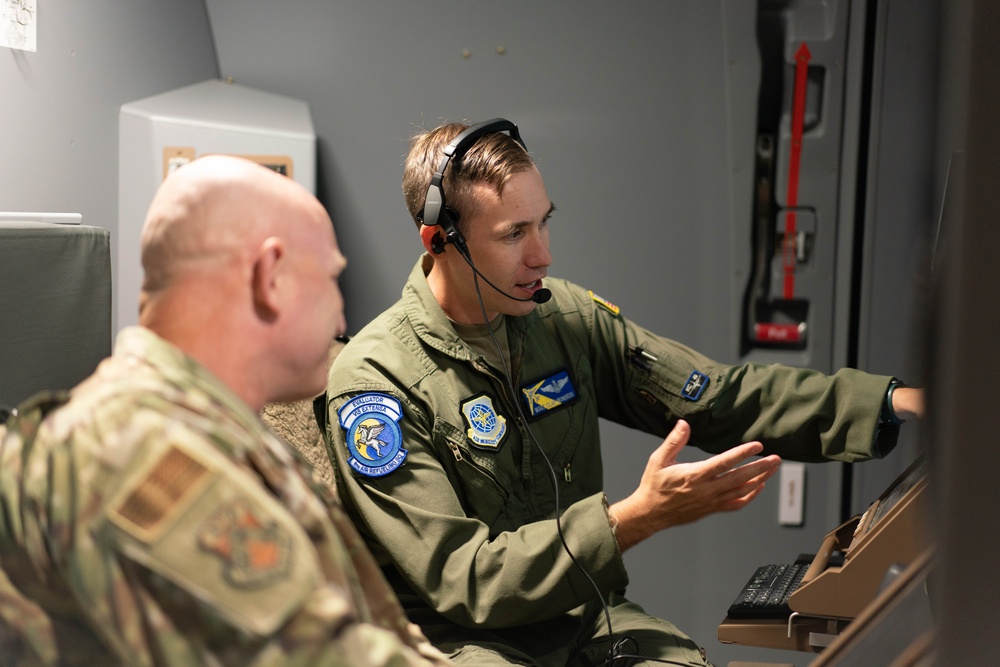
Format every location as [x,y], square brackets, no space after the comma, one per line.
[374,440]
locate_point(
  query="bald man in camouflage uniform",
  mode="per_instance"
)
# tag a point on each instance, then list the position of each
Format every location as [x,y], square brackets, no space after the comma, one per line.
[153,519]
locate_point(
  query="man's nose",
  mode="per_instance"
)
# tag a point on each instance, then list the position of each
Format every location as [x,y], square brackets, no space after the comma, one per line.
[540,255]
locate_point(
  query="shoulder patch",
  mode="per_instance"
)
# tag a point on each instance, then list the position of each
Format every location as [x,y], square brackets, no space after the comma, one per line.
[374,440]
[694,386]
[486,428]
[169,485]
[255,552]
[549,393]
[607,305]
[197,519]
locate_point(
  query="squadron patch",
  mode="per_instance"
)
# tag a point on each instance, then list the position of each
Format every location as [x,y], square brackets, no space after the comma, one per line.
[549,393]
[374,441]
[694,386]
[486,428]
[255,552]
[601,301]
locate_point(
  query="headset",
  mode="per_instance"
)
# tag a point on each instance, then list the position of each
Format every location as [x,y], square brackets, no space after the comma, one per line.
[436,211]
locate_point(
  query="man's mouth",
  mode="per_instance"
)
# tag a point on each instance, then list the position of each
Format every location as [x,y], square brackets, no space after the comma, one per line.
[532,286]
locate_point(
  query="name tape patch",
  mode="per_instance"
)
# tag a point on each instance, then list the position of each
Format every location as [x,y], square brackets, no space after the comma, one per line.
[549,393]
[374,440]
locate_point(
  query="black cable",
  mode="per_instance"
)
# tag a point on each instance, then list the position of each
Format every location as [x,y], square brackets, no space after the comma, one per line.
[617,652]
[531,435]
[614,654]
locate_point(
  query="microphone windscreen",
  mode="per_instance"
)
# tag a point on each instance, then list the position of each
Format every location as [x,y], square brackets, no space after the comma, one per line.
[542,295]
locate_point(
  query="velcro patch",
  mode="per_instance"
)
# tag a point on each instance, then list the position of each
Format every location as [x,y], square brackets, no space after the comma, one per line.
[549,393]
[374,439]
[695,385]
[165,490]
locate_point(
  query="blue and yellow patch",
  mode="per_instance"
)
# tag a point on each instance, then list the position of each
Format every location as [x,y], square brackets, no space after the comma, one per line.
[374,440]
[601,301]
[486,428]
[695,385]
[554,391]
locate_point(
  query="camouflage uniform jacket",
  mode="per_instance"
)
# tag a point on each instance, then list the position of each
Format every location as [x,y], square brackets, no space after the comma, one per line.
[464,525]
[157,521]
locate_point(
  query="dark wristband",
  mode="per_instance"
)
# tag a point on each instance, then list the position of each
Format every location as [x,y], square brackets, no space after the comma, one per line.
[888,412]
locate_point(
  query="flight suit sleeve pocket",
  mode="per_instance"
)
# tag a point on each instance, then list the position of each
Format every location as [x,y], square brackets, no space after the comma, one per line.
[680,380]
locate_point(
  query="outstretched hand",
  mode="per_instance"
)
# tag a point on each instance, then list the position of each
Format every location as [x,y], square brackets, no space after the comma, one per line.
[672,493]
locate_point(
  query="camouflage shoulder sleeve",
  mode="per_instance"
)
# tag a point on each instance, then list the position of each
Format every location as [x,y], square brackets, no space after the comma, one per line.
[236,558]
[196,520]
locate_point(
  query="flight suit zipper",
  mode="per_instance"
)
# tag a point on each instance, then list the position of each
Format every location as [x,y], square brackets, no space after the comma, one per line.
[526,444]
[460,458]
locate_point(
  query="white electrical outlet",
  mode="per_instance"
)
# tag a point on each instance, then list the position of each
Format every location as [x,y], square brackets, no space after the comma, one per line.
[792,478]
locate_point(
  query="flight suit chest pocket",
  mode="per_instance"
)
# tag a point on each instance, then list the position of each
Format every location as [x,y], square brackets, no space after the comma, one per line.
[478,477]
[559,405]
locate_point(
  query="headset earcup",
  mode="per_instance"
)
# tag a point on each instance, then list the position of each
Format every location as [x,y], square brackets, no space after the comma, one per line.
[449,224]
[437,244]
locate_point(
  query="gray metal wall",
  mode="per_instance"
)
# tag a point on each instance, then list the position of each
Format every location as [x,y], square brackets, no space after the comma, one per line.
[641,117]
[59,105]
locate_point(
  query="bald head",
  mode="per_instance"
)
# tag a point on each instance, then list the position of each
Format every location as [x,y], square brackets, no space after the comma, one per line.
[240,271]
[209,213]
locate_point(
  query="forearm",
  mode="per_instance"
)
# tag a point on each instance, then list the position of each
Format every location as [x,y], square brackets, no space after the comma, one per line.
[631,523]
[796,413]
[515,577]
[326,632]
[908,402]
[326,629]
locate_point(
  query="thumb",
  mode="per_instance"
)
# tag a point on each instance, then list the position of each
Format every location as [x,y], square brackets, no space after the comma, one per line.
[666,454]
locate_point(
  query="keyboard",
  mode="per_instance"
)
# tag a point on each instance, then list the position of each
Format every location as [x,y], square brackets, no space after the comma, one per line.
[766,594]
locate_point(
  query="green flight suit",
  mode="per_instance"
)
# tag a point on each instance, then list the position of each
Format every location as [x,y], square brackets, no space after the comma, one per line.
[154,520]
[464,525]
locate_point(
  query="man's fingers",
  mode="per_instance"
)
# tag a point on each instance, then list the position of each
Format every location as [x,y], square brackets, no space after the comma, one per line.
[745,480]
[666,453]
[720,463]
[741,501]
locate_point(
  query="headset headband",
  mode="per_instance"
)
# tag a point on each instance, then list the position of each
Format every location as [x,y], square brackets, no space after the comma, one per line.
[434,202]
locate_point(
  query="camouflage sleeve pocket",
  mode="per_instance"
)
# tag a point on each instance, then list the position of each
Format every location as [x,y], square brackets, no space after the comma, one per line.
[193,518]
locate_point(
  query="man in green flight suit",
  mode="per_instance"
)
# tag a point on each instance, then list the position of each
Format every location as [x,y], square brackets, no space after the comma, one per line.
[463,426]
[153,519]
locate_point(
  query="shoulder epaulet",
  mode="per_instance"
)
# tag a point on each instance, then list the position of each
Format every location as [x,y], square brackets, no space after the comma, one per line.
[604,303]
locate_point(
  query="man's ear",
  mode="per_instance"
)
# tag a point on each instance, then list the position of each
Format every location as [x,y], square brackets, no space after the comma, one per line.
[427,237]
[268,268]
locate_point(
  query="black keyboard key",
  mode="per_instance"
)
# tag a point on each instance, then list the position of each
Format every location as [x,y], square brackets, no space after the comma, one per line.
[766,594]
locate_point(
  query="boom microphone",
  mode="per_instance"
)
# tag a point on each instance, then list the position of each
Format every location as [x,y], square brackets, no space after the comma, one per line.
[540,296]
